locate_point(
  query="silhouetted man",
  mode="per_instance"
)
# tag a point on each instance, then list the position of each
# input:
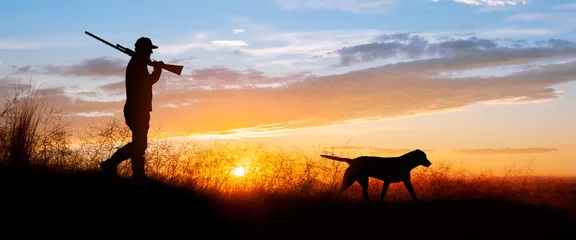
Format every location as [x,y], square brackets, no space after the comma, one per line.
[137,110]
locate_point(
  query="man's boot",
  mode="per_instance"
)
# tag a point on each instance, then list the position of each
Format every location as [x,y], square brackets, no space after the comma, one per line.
[110,165]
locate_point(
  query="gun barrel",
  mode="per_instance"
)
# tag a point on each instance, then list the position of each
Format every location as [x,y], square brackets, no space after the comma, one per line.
[101,40]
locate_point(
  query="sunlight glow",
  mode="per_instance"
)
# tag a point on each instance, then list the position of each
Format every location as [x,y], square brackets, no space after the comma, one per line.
[239,172]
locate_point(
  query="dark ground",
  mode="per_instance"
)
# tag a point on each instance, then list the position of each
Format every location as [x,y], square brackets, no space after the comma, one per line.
[38,204]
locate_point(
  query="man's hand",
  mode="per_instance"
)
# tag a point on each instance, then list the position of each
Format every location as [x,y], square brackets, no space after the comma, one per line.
[158,66]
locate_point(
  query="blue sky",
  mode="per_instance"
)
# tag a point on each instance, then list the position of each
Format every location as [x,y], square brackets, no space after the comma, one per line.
[483,74]
[56,28]
[65,17]
[33,23]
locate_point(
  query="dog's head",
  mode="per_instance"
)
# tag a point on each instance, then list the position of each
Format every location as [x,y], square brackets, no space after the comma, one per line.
[419,157]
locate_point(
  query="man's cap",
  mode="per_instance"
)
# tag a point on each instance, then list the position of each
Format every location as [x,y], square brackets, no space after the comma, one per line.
[145,42]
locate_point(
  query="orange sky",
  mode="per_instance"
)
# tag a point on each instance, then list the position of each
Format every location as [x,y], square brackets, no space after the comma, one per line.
[479,136]
[485,122]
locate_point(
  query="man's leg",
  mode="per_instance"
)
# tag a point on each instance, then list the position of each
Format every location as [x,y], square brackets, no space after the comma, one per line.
[111,165]
[140,141]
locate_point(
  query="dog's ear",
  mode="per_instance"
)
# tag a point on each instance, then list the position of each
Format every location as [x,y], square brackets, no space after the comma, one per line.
[418,151]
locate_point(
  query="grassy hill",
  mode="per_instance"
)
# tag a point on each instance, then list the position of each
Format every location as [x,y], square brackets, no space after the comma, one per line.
[82,204]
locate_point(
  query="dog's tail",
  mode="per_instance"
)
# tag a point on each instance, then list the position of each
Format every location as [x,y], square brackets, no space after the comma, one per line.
[347,160]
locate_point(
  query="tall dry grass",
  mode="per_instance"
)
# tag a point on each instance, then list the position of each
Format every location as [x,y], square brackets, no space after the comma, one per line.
[31,131]
[35,134]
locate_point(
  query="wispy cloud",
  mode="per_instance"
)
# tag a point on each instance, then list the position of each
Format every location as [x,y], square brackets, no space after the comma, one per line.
[516,32]
[569,6]
[21,69]
[238,30]
[302,100]
[355,6]
[528,17]
[484,151]
[114,88]
[221,98]
[304,43]
[470,49]
[229,43]
[493,3]
[489,9]
[181,60]
[95,67]
[10,85]
[315,44]
[198,41]
[220,77]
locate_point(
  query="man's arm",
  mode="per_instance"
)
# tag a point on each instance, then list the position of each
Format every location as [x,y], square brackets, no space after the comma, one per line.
[155,76]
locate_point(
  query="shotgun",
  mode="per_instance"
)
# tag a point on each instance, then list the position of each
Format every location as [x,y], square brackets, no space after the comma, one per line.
[176,69]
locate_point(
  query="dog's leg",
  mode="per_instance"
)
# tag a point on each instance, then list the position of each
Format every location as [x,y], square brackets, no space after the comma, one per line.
[384,190]
[364,183]
[347,181]
[408,185]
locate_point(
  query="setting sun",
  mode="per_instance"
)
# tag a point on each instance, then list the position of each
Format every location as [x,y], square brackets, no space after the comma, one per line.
[239,172]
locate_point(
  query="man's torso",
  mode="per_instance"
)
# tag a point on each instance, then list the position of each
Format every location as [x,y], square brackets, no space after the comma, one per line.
[138,86]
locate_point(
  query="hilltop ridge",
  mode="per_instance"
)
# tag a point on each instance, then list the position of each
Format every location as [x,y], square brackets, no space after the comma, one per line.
[96,203]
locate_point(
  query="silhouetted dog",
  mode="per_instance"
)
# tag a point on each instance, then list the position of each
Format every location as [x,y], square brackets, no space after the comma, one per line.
[387,169]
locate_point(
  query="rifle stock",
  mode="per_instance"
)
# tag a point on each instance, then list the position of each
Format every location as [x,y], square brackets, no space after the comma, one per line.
[176,69]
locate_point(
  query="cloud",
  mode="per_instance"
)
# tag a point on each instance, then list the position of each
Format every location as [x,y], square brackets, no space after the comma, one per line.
[10,86]
[221,99]
[301,100]
[222,77]
[569,6]
[365,94]
[180,60]
[22,69]
[229,43]
[314,50]
[198,41]
[354,6]
[470,49]
[493,3]
[387,45]
[238,31]
[267,41]
[305,43]
[515,32]
[61,100]
[485,151]
[491,9]
[95,67]
[528,17]
[114,88]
